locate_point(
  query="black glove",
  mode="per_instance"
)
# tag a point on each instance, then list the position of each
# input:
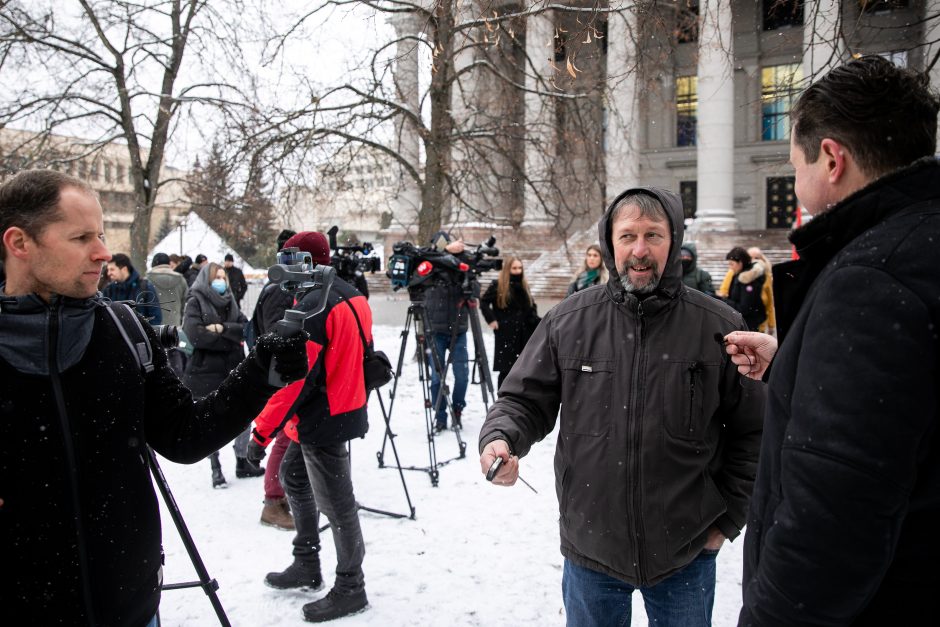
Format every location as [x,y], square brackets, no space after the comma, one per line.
[255,451]
[291,354]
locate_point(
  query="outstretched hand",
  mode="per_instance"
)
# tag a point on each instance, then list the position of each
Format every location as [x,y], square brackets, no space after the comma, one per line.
[509,471]
[290,353]
[751,352]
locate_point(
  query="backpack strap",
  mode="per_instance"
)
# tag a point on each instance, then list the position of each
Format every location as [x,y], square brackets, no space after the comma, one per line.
[362,335]
[128,324]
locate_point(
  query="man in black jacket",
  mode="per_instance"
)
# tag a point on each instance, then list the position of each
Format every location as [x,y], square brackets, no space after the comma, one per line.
[659,433]
[843,522]
[236,278]
[448,318]
[79,521]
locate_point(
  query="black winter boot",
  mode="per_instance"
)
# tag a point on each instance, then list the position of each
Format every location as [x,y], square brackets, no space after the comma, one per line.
[297,575]
[245,468]
[335,605]
[218,479]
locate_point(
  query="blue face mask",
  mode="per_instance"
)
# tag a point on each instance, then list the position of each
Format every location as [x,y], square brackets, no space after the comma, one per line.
[219,286]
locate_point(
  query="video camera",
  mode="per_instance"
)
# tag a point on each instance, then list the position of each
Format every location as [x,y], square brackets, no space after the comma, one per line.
[418,268]
[352,260]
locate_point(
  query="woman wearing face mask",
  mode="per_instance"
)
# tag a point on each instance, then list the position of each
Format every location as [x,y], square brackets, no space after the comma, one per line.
[214,324]
[509,309]
[592,272]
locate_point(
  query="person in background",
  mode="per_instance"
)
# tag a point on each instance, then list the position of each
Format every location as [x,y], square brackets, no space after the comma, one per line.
[127,284]
[592,272]
[692,275]
[448,318]
[510,310]
[175,261]
[172,291]
[842,527]
[193,270]
[236,278]
[269,309]
[184,266]
[215,325]
[745,295]
[80,535]
[762,266]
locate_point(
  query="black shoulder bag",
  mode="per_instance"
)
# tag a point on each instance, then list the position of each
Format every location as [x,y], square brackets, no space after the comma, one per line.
[376,366]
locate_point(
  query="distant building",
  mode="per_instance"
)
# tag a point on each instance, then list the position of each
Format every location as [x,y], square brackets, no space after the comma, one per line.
[107,170]
[356,191]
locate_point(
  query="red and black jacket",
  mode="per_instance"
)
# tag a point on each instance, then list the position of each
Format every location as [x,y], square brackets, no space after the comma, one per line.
[333,405]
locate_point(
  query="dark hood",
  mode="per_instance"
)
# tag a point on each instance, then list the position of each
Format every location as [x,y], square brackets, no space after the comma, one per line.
[692,251]
[671,282]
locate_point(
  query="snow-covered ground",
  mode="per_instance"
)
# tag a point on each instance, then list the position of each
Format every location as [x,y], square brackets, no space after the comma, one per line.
[475,554]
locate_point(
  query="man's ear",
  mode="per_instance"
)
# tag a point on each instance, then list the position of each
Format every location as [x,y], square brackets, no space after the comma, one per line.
[16,242]
[835,158]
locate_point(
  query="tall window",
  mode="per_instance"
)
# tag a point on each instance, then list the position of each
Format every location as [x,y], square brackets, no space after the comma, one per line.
[688,191]
[779,89]
[781,13]
[897,57]
[781,202]
[687,21]
[686,109]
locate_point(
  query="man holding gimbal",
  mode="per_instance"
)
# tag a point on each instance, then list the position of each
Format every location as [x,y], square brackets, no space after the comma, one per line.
[447,323]
[320,415]
[79,522]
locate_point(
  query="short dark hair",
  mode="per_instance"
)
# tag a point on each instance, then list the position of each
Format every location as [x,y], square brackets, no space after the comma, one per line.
[283,236]
[122,261]
[30,201]
[884,114]
[160,259]
[738,254]
[229,257]
[200,258]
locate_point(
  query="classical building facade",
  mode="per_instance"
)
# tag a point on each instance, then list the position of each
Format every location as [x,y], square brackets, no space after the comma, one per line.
[107,170]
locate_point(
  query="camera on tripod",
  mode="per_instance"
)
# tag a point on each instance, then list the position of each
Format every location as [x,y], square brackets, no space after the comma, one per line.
[352,260]
[417,267]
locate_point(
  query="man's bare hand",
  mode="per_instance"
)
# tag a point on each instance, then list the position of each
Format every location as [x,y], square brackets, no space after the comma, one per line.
[455,247]
[509,471]
[751,352]
[715,539]
[494,325]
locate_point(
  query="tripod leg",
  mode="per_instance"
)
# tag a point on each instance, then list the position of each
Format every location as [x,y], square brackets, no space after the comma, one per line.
[391,402]
[486,376]
[401,474]
[208,585]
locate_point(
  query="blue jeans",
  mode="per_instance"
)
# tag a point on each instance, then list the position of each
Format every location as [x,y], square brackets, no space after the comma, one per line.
[327,487]
[685,599]
[460,365]
[153,622]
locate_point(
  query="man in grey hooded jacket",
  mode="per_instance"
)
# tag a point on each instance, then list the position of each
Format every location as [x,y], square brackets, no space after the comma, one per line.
[659,433]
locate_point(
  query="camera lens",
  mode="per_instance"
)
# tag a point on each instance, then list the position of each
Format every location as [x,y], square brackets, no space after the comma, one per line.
[167,335]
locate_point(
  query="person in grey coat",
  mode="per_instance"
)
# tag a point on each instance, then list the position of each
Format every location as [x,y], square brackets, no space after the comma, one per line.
[659,433]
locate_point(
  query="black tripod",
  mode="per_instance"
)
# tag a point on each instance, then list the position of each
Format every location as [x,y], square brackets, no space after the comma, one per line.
[390,436]
[208,585]
[429,358]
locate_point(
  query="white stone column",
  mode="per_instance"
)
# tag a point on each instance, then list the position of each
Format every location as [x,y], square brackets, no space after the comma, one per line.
[932,36]
[823,46]
[622,158]
[539,119]
[407,141]
[715,128]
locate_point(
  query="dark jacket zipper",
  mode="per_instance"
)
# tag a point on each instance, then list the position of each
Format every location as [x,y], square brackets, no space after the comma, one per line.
[636,432]
[693,369]
[70,459]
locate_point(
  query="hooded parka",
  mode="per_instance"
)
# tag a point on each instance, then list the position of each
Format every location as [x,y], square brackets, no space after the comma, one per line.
[659,433]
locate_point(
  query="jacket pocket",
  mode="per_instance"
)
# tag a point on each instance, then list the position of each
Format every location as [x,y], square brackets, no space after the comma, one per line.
[690,398]
[586,388]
